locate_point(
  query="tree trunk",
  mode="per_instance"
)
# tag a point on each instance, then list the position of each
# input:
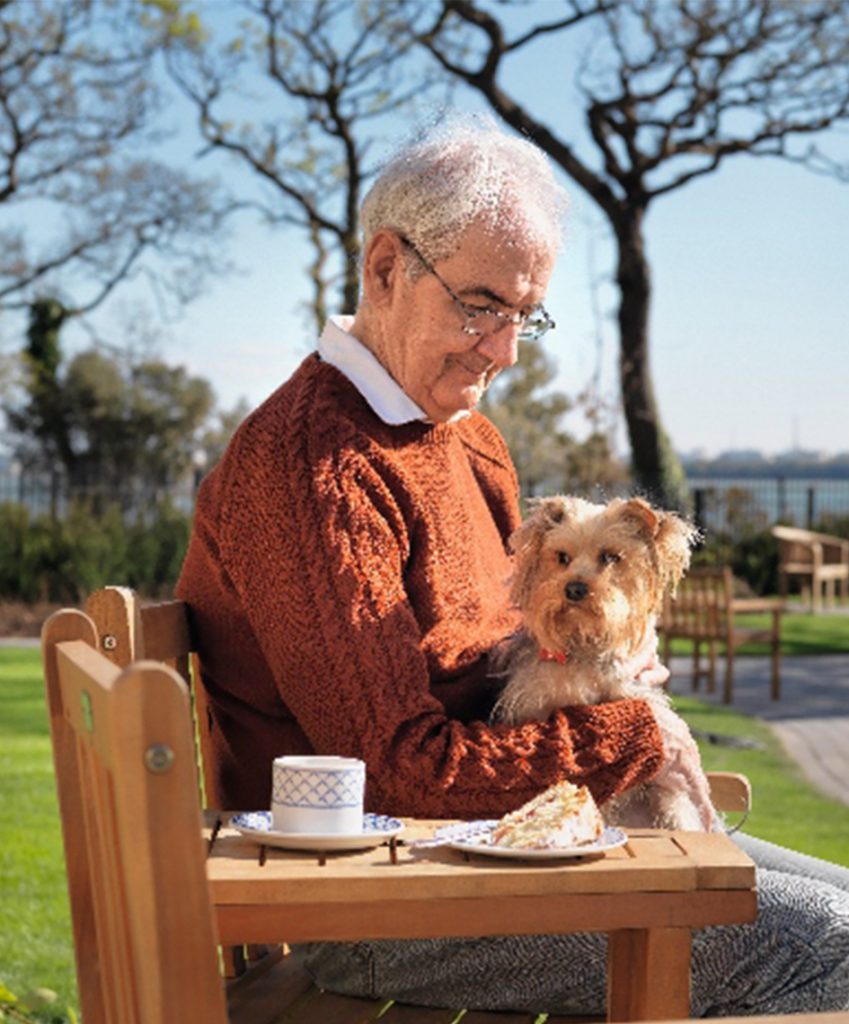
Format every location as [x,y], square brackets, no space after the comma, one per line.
[656,467]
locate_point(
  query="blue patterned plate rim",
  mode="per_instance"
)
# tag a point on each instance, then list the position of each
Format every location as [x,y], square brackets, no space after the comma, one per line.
[378,826]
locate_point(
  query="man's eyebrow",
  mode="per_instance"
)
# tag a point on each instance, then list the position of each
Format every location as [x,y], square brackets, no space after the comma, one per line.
[487,293]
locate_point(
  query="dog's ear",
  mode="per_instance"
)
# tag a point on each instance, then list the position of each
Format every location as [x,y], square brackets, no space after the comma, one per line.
[674,540]
[526,542]
[671,536]
[641,514]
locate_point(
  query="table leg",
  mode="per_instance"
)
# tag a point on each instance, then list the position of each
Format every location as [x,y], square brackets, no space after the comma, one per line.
[648,974]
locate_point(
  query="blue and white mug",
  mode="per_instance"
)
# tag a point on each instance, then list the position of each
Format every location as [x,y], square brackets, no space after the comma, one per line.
[318,795]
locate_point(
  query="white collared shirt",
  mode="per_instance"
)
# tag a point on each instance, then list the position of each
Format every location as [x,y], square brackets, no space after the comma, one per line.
[377,386]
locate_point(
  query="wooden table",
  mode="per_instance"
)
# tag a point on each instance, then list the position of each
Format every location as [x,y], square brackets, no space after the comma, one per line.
[647,895]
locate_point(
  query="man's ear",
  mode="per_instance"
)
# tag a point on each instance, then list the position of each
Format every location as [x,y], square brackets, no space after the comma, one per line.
[383,264]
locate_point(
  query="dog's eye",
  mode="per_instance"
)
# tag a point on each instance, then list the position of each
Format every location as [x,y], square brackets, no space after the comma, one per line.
[609,558]
[563,557]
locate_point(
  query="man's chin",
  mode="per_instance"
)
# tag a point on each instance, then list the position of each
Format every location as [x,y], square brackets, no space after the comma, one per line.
[469,398]
[459,401]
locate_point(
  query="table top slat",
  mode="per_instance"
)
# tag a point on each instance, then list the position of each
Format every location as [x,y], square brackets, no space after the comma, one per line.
[242,872]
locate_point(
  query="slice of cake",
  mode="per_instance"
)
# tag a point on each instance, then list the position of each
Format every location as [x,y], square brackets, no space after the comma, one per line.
[562,816]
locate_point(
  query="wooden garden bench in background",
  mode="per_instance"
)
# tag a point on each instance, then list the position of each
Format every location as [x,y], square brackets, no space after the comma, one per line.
[706,611]
[820,561]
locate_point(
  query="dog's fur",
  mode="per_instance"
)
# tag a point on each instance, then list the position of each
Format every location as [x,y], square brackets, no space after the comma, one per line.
[590,580]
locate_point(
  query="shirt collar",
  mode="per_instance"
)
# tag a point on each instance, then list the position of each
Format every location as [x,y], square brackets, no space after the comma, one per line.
[382,392]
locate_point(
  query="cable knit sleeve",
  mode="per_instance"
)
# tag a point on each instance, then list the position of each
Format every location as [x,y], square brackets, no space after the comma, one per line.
[333,560]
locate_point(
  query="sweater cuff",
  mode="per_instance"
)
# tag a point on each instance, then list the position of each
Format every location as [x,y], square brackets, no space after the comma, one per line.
[616,745]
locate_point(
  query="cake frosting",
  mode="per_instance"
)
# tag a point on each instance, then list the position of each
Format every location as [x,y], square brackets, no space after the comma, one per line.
[561,816]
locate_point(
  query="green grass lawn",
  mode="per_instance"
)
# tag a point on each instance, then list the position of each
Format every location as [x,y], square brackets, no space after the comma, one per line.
[35,927]
[785,809]
[35,931]
[800,634]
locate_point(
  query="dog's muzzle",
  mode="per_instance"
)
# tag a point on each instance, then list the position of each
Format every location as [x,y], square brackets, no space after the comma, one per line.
[576,591]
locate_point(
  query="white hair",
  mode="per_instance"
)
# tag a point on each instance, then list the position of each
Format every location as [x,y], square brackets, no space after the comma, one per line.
[465,170]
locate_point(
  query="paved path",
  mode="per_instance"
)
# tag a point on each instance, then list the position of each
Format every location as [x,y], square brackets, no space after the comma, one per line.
[811,718]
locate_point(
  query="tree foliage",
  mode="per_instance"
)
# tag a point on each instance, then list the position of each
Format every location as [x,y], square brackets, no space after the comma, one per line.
[101,426]
[83,206]
[669,90]
[530,413]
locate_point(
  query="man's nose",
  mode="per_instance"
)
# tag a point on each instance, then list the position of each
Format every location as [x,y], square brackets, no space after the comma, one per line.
[502,347]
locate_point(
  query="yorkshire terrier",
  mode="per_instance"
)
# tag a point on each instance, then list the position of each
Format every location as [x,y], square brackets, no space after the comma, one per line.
[589,581]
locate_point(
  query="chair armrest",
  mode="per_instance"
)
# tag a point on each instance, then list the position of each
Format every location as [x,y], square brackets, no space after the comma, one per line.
[753,605]
[730,791]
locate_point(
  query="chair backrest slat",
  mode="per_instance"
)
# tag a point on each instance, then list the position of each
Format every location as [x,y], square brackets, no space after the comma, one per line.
[72,625]
[129,631]
[132,826]
[702,606]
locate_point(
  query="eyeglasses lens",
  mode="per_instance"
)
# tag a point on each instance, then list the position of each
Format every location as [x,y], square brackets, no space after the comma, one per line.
[491,323]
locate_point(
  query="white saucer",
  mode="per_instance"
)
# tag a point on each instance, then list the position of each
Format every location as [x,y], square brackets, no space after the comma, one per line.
[377,828]
[476,837]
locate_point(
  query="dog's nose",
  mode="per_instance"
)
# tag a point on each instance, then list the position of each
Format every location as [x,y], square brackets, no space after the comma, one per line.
[576,591]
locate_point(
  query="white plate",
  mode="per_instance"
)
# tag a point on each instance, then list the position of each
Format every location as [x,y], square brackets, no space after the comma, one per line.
[377,828]
[476,837]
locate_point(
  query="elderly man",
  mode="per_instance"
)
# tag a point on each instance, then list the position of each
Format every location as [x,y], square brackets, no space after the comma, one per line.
[347,574]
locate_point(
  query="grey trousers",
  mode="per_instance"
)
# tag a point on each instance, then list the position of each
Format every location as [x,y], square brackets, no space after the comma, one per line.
[794,958]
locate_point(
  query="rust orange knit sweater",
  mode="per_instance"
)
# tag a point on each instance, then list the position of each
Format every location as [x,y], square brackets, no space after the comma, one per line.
[346,580]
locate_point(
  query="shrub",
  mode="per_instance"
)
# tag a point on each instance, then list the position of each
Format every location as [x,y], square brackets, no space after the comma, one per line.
[752,555]
[46,559]
[156,551]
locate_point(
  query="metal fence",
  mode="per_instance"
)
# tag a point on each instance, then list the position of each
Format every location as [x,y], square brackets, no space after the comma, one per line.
[729,503]
[42,495]
[720,503]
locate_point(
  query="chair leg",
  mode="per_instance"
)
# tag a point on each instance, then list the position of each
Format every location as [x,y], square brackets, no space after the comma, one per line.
[776,671]
[233,963]
[728,691]
[711,685]
[816,595]
[776,655]
[696,664]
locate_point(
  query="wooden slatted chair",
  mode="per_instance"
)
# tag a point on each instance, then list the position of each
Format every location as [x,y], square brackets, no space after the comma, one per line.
[706,611]
[819,561]
[144,928]
[117,632]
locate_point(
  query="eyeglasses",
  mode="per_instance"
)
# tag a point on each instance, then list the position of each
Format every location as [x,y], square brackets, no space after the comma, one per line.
[480,320]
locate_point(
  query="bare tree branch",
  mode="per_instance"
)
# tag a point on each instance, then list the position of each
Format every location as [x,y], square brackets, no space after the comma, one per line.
[332,73]
[671,90]
[77,96]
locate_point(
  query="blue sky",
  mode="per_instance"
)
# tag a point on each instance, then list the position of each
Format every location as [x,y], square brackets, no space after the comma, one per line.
[750,325]
[750,322]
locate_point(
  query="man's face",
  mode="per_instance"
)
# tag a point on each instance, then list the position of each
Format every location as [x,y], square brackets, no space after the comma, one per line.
[444,370]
